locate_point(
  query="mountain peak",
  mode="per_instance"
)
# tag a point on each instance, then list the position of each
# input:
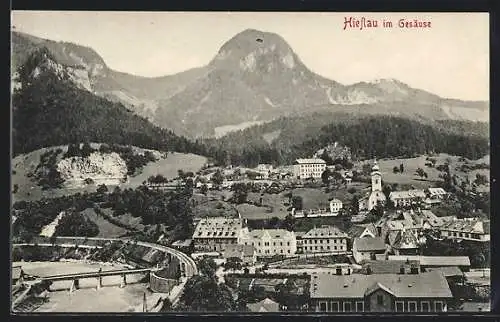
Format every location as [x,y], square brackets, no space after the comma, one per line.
[253,49]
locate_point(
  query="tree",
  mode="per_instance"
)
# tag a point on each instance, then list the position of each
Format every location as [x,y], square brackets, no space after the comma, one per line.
[204,294]
[234,263]
[401,168]
[354,205]
[204,189]
[337,176]
[481,179]
[86,150]
[421,173]
[289,223]
[274,222]
[297,202]
[366,169]
[240,192]
[208,267]
[102,189]
[218,177]
[325,176]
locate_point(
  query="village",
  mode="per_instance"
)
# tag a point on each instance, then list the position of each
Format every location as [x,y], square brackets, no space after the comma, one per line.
[390,253]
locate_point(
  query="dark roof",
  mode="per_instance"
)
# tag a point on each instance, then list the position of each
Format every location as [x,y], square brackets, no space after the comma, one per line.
[355,231]
[405,240]
[369,243]
[424,285]
[448,271]
[437,261]
[387,267]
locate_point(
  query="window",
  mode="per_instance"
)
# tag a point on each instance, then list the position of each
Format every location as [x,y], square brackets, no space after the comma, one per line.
[288,251]
[322,306]
[281,251]
[412,306]
[380,300]
[335,306]
[347,307]
[288,243]
[281,243]
[360,306]
[335,247]
[399,306]
[439,306]
[425,306]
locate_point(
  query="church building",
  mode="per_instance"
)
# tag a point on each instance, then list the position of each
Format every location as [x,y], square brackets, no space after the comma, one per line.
[376,195]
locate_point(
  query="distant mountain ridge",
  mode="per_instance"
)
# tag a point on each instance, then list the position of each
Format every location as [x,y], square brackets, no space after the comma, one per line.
[255,77]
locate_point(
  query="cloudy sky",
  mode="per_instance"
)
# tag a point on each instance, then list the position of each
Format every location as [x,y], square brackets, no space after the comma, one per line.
[450,59]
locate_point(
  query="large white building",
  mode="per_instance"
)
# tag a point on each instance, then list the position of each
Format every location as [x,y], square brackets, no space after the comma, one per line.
[308,168]
[376,195]
[325,239]
[270,242]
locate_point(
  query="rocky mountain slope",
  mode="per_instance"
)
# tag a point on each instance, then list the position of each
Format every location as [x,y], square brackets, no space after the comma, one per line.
[255,76]
[51,106]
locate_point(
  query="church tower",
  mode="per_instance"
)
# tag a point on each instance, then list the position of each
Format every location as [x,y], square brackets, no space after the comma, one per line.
[376,177]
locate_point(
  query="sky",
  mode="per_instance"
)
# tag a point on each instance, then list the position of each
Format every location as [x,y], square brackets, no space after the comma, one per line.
[451,58]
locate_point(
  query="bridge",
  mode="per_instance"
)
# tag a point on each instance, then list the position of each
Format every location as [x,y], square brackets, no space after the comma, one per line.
[76,277]
[187,265]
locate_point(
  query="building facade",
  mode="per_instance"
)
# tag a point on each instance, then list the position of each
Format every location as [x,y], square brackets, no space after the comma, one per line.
[325,239]
[335,206]
[270,242]
[426,292]
[308,168]
[471,229]
[407,198]
[215,233]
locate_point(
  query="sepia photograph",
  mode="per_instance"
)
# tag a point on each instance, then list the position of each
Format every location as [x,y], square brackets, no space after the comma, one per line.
[249,162]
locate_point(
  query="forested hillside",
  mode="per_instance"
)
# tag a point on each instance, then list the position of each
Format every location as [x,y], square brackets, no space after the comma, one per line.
[367,136]
[49,110]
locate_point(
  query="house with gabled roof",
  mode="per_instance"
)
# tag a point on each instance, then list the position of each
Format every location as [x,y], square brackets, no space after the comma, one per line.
[473,229]
[214,233]
[405,243]
[425,292]
[266,305]
[363,230]
[367,248]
